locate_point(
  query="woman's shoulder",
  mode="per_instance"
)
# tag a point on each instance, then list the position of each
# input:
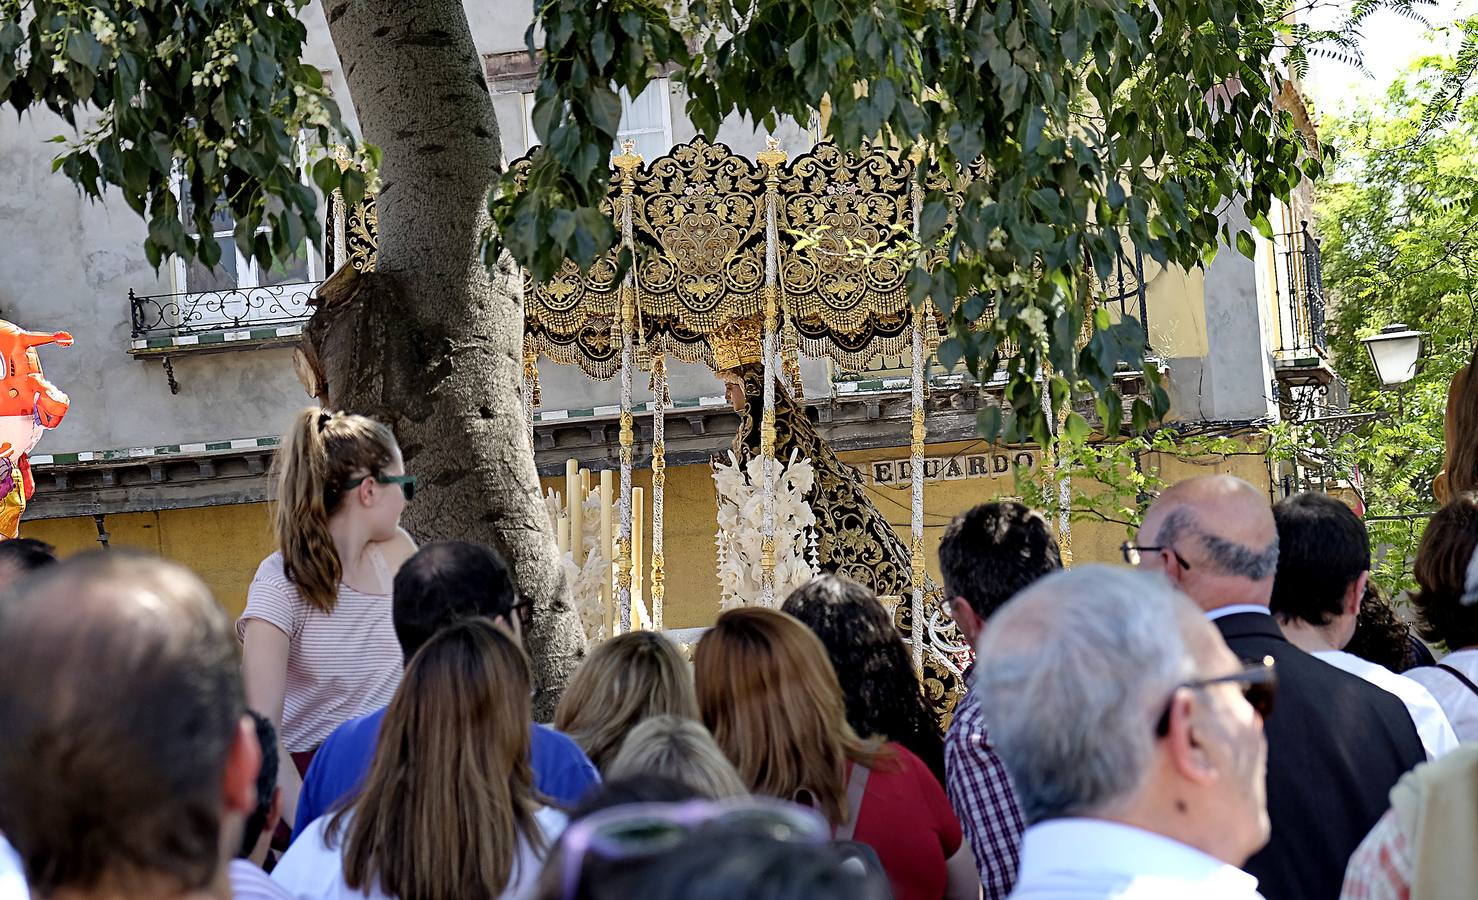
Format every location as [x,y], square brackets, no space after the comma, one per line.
[272,570]
[552,821]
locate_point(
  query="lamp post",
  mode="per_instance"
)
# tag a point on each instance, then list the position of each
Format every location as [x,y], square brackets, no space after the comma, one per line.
[1394,352]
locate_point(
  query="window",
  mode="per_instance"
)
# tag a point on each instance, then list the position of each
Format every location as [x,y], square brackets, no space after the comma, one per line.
[235,270]
[646,121]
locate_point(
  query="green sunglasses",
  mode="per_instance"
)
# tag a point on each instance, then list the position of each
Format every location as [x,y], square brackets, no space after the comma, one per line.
[407,483]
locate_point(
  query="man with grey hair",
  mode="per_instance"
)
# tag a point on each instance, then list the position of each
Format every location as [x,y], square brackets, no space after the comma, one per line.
[1338,744]
[127,762]
[1133,737]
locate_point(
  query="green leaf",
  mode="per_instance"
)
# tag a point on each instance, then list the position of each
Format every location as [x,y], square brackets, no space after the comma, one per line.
[352,186]
[1245,245]
[988,422]
[1076,428]
[932,219]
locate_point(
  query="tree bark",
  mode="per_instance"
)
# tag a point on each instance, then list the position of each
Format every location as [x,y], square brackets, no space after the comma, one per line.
[431,342]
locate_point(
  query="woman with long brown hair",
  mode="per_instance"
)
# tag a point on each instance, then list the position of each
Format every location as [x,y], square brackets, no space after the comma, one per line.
[771,698]
[448,810]
[624,680]
[318,644]
[1446,603]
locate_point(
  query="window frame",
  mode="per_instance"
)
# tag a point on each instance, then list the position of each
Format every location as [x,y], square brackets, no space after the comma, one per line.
[247,269]
[531,137]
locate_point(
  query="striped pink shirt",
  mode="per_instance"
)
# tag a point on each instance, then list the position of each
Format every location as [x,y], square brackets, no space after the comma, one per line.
[339,666]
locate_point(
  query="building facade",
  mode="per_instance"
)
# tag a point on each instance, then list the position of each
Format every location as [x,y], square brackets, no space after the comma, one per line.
[181,379]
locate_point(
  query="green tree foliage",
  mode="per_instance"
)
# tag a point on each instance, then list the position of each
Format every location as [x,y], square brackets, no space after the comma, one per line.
[1399,220]
[215,88]
[1078,123]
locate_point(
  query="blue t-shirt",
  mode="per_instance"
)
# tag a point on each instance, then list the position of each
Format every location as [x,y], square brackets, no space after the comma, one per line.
[562,772]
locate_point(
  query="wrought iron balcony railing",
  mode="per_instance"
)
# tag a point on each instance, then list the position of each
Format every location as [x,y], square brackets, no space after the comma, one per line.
[208,312]
[1300,284]
[1125,289]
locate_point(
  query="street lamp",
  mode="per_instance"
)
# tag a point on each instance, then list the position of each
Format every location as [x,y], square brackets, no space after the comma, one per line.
[1394,352]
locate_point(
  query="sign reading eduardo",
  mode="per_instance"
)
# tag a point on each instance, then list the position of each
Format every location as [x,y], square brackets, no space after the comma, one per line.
[957,467]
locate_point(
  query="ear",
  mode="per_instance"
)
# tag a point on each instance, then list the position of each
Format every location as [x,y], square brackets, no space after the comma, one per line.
[1184,744]
[1355,593]
[243,761]
[274,812]
[970,624]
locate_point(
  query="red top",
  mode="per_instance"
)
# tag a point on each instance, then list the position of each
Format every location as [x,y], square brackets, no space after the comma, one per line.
[907,819]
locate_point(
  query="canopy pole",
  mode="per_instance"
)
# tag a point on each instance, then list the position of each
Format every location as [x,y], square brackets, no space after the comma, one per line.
[627,164]
[659,484]
[916,461]
[772,158]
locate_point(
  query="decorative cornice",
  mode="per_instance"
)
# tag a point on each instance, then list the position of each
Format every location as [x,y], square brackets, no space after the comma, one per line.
[863,415]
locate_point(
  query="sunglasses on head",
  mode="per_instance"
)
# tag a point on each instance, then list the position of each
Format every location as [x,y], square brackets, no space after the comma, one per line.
[647,829]
[1259,681]
[407,483]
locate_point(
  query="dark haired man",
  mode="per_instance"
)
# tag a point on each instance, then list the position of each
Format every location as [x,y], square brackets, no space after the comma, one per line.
[248,880]
[986,556]
[443,583]
[1336,743]
[1323,567]
[127,761]
[22,557]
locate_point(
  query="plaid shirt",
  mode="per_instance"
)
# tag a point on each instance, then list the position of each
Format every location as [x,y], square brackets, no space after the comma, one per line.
[981,793]
[1381,866]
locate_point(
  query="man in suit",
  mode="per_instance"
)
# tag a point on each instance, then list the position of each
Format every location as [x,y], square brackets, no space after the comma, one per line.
[1336,743]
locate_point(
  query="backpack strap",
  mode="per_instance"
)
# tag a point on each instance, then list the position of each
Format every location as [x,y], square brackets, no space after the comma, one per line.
[1459,676]
[856,787]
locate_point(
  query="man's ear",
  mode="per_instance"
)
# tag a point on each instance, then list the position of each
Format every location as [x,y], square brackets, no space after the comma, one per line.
[1187,750]
[243,761]
[1355,593]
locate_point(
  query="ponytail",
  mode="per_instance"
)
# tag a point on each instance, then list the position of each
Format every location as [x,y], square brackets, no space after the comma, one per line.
[320,453]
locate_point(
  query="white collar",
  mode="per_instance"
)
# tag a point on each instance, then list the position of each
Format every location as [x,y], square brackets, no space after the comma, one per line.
[1236,608]
[1099,851]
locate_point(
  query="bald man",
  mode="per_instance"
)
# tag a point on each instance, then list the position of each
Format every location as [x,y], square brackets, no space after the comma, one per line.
[127,762]
[1336,743]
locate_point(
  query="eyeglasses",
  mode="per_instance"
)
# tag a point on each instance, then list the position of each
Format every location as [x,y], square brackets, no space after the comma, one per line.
[407,483]
[647,829]
[1133,553]
[1259,682]
[523,610]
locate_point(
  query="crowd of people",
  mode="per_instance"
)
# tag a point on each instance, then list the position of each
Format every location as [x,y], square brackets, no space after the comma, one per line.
[1221,718]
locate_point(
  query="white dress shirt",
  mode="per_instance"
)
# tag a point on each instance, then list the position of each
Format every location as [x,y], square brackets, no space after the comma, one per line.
[1093,859]
[313,867]
[1431,722]
[1236,608]
[12,874]
[1456,698]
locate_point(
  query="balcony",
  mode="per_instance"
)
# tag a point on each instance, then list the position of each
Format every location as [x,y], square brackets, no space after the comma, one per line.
[269,315]
[1304,385]
[1301,337]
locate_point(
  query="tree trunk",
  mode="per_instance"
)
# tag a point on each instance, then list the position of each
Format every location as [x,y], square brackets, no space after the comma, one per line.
[431,342]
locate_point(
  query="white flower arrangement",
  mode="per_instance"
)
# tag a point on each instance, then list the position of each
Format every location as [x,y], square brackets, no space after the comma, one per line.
[741,523]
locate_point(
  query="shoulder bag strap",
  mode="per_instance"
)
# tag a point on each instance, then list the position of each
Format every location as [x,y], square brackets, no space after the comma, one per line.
[856,787]
[1459,676]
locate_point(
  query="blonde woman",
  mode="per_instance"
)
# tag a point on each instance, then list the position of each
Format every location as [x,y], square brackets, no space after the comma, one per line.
[680,749]
[318,645]
[625,680]
[448,810]
[767,692]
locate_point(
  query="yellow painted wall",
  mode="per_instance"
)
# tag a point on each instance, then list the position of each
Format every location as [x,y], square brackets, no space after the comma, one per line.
[221,544]
[224,544]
